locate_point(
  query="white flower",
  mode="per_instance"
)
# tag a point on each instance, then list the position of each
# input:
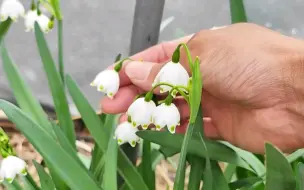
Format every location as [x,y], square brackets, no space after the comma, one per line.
[29,20]
[31,17]
[108,82]
[166,115]
[44,22]
[172,73]
[12,9]
[140,112]
[10,167]
[125,132]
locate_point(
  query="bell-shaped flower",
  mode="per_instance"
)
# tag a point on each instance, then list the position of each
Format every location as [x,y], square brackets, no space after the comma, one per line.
[107,81]
[12,9]
[172,73]
[29,20]
[126,133]
[32,16]
[12,166]
[140,112]
[166,115]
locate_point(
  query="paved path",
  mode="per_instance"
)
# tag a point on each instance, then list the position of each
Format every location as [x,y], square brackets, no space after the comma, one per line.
[96,30]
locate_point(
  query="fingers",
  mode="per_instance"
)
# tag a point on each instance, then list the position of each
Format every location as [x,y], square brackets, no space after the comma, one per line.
[122,100]
[156,54]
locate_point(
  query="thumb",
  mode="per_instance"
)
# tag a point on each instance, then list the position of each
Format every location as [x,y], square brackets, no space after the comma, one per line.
[142,74]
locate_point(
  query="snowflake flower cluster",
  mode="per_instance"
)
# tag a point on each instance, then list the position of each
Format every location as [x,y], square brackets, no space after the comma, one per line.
[144,111]
[13,9]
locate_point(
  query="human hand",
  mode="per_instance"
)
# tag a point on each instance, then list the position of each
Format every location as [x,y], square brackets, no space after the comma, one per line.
[252,85]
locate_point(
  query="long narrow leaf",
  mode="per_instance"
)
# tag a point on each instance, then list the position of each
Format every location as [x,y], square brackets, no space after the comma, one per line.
[110,171]
[4,26]
[300,176]
[147,172]
[56,87]
[279,174]
[63,163]
[175,141]
[196,172]
[219,181]
[44,178]
[93,123]
[24,97]
[295,155]
[237,11]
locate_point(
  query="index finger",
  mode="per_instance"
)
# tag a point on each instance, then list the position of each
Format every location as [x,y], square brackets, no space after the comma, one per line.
[158,54]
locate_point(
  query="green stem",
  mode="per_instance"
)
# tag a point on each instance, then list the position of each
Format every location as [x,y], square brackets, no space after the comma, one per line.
[167,84]
[60,51]
[188,54]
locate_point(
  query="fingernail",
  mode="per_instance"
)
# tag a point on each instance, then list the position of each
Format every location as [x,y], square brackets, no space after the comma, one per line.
[138,70]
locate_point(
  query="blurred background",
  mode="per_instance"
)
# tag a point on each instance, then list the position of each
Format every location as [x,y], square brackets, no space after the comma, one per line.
[96,31]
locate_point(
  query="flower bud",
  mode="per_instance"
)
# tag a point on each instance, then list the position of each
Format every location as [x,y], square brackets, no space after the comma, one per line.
[172,73]
[107,81]
[166,115]
[126,133]
[12,9]
[140,112]
[12,166]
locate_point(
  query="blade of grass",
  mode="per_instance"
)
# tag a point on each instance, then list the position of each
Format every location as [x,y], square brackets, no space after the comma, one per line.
[279,174]
[24,97]
[237,11]
[300,176]
[56,87]
[229,171]
[219,182]
[44,178]
[65,166]
[244,183]
[175,141]
[110,169]
[196,172]
[295,155]
[60,50]
[125,167]
[147,172]
[4,26]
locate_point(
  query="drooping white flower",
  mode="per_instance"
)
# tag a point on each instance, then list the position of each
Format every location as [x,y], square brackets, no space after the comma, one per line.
[44,23]
[172,73]
[140,112]
[12,166]
[126,133]
[166,115]
[107,81]
[12,9]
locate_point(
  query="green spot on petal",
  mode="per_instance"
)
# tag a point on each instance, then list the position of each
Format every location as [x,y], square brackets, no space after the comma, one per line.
[101,87]
[133,143]
[134,124]
[24,172]
[145,126]
[119,141]
[10,180]
[110,94]
[172,129]
[158,127]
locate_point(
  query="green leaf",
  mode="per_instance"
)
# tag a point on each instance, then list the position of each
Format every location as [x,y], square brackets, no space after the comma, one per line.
[65,166]
[100,135]
[219,181]
[295,155]
[279,174]
[44,178]
[4,26]
[56,87]
[147,172]
[300,176]
[195,94]
[250,158]
[237,11]
[12,186]
[244,183]
[110,169]
[24,97]
[30,180]
[86,160]
[60,50]
[229,171]
[217,151]
[196,171]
